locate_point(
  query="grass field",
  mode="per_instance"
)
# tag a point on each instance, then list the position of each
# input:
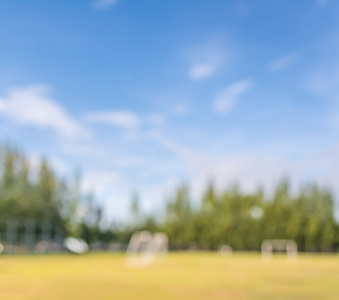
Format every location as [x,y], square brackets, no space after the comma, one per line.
[178,276]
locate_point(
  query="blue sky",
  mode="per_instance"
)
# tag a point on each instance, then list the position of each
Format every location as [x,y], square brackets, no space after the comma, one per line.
[143,95]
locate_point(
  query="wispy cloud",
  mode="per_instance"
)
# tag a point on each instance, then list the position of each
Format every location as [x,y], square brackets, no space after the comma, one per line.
[155,119]
[82,149]
[323,81]
[189,154]
[202,71]
[242,9]
[2,106]
[104,4]
[179,109]
[282,62]
[119,118]
[183,151]
[227,170]
[100,181]
[124,119]
[228,97]
[32,106]
[248,172]
[322,2]
[206,59]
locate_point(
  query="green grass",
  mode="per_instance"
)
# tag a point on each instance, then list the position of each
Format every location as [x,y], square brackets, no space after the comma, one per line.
[177,276]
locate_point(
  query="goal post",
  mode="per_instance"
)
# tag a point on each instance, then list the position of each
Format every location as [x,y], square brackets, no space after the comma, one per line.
[288,246]
[144,246]
[140,242]
[160,243]
[225,250]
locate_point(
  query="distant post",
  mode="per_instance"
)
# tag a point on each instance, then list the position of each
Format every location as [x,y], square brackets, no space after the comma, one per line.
[58,237]
[11,234]
[30,226]
[46,229]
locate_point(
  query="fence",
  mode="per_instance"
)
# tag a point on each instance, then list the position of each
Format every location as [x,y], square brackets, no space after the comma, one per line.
[26,235]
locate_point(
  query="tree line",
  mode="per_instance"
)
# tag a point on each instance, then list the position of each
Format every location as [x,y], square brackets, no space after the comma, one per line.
[33,191]
[244,220]
[231,217]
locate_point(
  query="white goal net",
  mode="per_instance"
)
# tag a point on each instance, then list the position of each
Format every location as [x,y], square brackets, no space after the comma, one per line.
[144,246]
[288,246]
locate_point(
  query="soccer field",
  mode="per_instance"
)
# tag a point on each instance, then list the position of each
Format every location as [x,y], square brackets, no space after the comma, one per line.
[177,276]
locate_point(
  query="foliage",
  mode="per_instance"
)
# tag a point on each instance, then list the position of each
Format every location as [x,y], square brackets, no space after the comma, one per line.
[34,192]
[243,221]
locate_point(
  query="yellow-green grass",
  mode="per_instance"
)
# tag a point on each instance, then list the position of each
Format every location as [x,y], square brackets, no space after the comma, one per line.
[177,276]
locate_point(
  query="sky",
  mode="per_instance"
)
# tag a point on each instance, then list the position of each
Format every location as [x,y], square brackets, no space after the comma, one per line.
[143,95]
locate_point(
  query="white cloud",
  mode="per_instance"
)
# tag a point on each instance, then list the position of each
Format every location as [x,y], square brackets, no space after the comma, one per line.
[124,119]
[180,109]
[202,71]
[99,182]
[104,4]
[323,81]
[228,97]
[242,9]
[189,154]
[206,59]
[60,165]
[119,118]
[32,106]
[2,106]
[130,162]
[282,63]
[93,150]
[322,2]
[155,119]
[248,172]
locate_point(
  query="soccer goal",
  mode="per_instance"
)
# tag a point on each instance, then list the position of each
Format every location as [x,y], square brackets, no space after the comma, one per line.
[144,246]
[288,246]
[160,243]
[225,250]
